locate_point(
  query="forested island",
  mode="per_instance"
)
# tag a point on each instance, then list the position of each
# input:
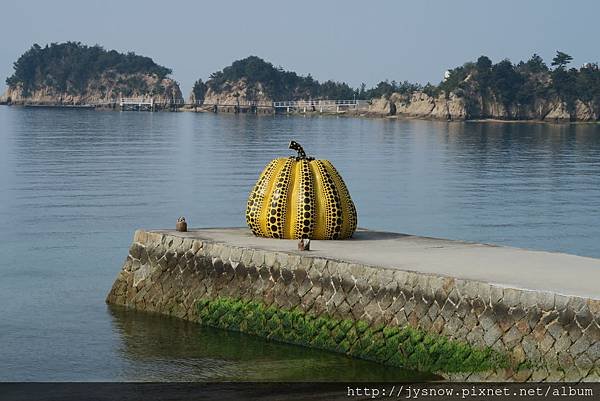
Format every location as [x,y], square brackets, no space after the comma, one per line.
[528,90]
[72,73]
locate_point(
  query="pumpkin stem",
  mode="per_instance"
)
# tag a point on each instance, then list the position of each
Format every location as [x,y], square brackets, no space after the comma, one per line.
[298,148]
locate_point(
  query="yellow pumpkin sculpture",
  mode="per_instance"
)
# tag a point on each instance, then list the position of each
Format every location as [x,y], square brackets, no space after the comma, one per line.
[300,197]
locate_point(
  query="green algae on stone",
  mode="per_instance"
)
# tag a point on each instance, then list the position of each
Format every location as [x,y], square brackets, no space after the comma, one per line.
[404,347]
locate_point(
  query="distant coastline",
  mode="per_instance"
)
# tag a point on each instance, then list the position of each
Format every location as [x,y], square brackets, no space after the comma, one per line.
[376,114]
[476,91]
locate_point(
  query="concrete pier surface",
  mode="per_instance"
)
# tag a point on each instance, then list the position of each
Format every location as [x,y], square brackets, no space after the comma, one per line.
[497,265]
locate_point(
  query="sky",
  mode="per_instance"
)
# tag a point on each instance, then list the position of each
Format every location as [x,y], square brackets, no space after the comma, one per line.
[351,41]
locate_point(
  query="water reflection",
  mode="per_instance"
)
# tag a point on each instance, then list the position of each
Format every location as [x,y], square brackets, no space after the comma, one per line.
[168,349]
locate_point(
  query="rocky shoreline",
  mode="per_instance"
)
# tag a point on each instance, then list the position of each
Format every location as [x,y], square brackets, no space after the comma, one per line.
[453,107]
[104,91]
[416,105]
[380,108]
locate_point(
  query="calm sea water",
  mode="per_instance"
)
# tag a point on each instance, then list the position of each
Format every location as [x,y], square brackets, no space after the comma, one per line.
[75,184]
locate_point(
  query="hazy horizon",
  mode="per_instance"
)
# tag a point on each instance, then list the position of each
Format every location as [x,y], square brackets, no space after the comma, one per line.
[354,43]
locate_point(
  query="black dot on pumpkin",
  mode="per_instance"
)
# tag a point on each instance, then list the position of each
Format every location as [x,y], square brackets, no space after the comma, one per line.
[273,211]
[273,227]
[275,235]
[306,229]
[335,236]
[304,236]
[272,219]
[339,221]
[306,215]
[306,207]
[306,222]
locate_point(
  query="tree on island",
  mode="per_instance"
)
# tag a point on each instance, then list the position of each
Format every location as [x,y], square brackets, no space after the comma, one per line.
[536,64]
[561,60]
[199,90]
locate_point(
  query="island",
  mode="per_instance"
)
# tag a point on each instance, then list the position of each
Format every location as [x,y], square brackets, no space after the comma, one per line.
[529,90]
[77,75]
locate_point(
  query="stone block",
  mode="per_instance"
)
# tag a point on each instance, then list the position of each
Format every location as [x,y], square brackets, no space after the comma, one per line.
[580,346]
[440,296]
[463,308]
[576,303]
[478,306]
[258,258]
[424,322]
[555,329]
[584,317]
[235,254]
[438,325]
[534,314]
[511,297]
[593,332]
[539,375]
[546,343]
[475,337]
[492,334]
[433,311]
[594,306]
[530,346]
[593,352]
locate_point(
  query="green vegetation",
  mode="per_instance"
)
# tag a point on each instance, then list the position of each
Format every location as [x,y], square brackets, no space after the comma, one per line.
[69,67]
[396,346]
[514,85]
[523,83]
[199,89]
[72,68]
[386,88]
[277,83]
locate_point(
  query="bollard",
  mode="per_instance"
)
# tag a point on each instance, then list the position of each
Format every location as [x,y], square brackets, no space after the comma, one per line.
[181,224]
[304,245]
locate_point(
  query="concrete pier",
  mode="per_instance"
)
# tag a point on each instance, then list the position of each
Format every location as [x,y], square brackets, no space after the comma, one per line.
[540,309]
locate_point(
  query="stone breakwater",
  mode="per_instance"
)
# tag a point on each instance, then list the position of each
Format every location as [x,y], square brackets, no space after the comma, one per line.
[388,282]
